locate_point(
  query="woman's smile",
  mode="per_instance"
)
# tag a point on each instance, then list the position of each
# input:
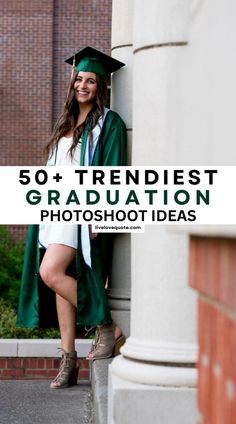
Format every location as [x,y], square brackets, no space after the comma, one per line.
[85,87]
[82,93]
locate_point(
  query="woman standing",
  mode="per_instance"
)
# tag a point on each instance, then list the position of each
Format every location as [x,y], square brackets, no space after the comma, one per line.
[73,262]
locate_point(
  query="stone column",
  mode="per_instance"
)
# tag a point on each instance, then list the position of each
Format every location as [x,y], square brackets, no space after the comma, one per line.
[154,380]
[121,102]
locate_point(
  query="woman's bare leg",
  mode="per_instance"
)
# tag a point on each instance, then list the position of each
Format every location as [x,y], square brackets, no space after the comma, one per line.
[66,314]
[53,269]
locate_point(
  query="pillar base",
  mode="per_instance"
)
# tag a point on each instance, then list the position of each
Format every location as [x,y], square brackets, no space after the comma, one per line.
[160,351]
[155,374]
[132,402]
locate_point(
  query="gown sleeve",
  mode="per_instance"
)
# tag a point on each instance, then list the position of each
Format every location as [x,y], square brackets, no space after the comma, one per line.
[113,141]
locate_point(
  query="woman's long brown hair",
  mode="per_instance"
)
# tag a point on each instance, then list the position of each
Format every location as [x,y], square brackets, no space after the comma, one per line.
[68,119]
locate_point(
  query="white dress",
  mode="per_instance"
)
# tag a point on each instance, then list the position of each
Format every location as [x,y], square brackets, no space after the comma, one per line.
[59,233]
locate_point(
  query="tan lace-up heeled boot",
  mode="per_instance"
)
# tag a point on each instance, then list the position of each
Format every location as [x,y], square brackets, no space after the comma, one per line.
[68,371]
[105,344]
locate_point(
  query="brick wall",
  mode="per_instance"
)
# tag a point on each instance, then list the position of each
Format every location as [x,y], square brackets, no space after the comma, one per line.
[36,368]
[213,275]
[35,38]
[77,24]
[25,80]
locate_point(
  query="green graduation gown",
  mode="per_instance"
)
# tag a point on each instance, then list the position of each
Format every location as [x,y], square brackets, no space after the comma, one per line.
[37,302]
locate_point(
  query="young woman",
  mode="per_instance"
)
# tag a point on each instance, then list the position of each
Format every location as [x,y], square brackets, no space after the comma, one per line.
[68,265]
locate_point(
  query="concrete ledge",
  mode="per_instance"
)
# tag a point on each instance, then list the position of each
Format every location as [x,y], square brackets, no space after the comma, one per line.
[99,376]
[46,348]
[8,347]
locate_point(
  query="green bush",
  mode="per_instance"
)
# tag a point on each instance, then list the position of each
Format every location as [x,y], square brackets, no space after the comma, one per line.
[11,262]
[8,329]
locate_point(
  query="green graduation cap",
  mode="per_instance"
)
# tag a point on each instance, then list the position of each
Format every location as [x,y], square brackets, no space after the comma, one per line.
[89,59]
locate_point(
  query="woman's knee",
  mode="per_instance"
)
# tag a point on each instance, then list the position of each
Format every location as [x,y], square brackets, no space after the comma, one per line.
[48,275]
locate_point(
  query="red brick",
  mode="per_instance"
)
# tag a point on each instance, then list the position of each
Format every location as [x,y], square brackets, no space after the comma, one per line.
[51,373]
[217,408]
[41,363]
[204,358]
[33,363]
[232,347]
[14,373]
[14,363]
[213,271]
[212,268]
[25,363]
[3,363]
[83,364]
[48,363]
[83,375]
[42,373]
[217,342]
[39,372]
[56,363]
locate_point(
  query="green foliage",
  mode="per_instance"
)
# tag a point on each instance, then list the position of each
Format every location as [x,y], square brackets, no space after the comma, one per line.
[11,261]
[7,320]
[8,329]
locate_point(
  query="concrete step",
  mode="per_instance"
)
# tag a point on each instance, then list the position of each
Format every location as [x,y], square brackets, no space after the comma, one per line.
[99,380]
